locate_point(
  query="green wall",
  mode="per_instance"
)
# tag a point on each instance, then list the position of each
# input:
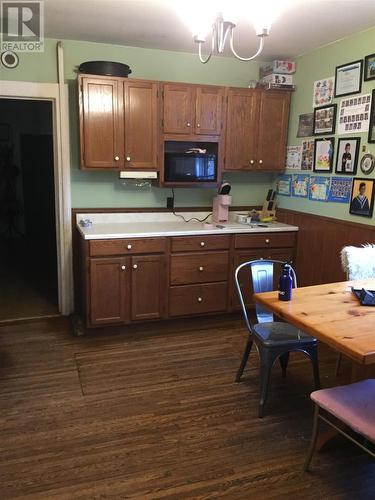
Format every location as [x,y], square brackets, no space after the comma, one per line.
[104,189]
[316,65]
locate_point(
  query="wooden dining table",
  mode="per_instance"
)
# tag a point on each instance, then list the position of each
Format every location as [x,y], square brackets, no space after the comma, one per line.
[332,314]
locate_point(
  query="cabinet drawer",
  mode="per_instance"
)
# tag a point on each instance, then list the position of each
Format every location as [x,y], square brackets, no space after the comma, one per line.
[197,299]
[272,240]
[199,268]
[195,243]
[127,246]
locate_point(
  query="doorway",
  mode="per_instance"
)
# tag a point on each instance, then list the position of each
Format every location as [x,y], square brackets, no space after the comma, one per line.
[28,250]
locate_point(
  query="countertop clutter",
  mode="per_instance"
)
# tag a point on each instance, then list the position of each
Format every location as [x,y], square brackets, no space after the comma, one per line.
[154,224]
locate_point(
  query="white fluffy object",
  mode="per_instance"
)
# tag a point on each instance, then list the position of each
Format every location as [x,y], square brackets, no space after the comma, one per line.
[359,262]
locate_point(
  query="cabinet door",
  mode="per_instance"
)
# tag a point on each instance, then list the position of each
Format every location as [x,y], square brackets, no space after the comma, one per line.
[178,110]
[208,110]
[241,130]
[148,287]
[273,130]
[101,123]
[141,124]
[108,291]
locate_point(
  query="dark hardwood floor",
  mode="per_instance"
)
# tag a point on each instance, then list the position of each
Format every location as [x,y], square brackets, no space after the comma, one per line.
[152,412]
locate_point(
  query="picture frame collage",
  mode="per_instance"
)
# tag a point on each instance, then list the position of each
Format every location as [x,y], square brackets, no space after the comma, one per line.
[323,153]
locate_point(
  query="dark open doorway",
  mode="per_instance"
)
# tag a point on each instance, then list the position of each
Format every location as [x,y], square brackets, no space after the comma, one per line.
[28,253]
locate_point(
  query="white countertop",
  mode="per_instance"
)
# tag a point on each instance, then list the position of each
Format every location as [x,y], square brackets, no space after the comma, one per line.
[153,224]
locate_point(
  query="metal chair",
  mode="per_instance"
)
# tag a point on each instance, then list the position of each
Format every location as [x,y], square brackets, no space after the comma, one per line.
[353,405]
[273,339]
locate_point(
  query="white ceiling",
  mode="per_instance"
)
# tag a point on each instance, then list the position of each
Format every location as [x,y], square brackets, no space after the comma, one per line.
[304,25]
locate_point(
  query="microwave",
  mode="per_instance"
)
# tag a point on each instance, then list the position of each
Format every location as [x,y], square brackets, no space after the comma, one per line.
[190,167]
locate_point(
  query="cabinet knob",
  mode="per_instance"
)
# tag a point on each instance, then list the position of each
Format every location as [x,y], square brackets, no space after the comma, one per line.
[202,243]
[267,240]
[252,162]
[200,268]
[117,158]
[128,158]
[188,124]
[129,247]
[260,161]
[135,266]
[200,299]
[198,125]
[123,268]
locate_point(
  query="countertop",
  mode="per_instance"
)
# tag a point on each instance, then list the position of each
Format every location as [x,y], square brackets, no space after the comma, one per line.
[155,224]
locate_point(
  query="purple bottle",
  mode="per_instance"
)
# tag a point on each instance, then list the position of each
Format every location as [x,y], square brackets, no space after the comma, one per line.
[285,283]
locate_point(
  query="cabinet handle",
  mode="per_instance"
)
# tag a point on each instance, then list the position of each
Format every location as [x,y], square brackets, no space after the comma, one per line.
[267,240]
[198,125]
[129,247]
[117,158]
[200,299]
[135,266]
[188,124]
[260,161]
[252,162]
[202,243]
[200,268]
[123,268]
[128,158]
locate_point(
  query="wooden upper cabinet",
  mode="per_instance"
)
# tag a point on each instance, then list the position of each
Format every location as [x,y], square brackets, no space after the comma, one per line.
[241,130]
[101,123]
[108,290]
[208,110]
[178,109]
[273,130]
[148,287]
[141,124]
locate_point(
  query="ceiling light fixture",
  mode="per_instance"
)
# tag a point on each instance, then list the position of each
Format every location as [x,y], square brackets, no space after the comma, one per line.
[222,30]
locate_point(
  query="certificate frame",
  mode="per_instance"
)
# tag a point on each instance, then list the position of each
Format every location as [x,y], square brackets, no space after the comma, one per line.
[345,84]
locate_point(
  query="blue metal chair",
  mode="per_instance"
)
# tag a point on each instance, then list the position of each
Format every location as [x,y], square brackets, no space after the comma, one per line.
[273,339]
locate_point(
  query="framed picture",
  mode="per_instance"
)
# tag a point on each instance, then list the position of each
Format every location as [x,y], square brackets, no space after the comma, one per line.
[305,125]
[323,154]
[362,199]
[371,129]
[369,71]
[347,155]
[325,119]
[367,163]
[348,78]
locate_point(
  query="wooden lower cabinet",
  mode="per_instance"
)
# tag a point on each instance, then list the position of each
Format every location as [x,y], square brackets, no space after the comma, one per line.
[108,291]
[148,287]
[141,279]
[198,299]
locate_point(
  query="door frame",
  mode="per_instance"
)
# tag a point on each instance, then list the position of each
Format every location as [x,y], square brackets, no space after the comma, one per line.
[58,95]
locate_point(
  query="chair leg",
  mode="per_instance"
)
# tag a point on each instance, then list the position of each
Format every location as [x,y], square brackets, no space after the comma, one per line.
[313,353]
[284,358]
[314,437]
[267,359]
[245,357]
[338,364]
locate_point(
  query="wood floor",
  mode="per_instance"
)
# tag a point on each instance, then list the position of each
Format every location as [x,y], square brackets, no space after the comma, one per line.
[153,412]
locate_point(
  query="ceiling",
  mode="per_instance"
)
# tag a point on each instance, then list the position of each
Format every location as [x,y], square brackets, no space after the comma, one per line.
[303,26]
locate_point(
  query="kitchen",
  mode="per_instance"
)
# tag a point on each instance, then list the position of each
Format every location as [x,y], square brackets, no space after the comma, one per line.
[144,339]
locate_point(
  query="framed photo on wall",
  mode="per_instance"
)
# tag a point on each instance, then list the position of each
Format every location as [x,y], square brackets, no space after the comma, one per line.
[348,78]
[369,70]
[362,199]
[323,154]
[347,155]
[325,119]
[371,130]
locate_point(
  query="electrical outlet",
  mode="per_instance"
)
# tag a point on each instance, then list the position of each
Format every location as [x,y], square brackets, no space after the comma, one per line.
[170,202]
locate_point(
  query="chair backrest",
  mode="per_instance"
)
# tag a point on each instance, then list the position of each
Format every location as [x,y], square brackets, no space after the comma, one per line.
[359,262]
[262,277]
